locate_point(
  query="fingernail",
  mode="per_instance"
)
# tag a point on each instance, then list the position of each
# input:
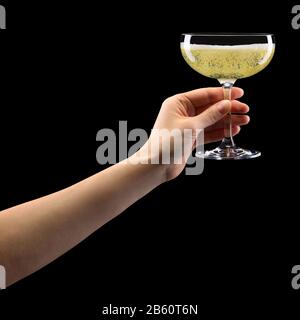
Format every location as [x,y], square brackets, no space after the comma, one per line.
[223,106]
[246,107]
[239,93]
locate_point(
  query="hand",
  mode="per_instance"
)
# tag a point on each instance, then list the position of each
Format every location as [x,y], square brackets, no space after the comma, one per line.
[197,109]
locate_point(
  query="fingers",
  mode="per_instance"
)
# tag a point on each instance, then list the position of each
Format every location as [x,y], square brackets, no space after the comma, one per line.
[239,107]
[205,96]
[212,114]
[238,120]
[217,135]
[236,107]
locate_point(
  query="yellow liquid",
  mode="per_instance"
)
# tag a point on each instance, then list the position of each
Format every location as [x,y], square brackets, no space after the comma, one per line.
[228,62]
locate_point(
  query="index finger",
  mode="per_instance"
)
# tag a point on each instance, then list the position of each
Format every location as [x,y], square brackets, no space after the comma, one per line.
[205,96]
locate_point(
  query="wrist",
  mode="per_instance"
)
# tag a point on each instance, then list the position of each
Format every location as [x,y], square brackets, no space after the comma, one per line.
[150,161]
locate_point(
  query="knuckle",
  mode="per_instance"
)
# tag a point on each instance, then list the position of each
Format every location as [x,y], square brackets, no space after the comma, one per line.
[212,116]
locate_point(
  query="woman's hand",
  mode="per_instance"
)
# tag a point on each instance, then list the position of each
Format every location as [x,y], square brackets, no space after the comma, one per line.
[194,110]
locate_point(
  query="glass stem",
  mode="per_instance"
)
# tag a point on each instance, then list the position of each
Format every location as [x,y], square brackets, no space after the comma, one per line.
[228,140]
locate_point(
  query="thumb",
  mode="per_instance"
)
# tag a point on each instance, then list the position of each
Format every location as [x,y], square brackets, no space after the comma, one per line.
[213,114]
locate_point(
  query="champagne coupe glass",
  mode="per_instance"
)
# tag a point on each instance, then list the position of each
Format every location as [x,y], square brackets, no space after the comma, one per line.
[228,57]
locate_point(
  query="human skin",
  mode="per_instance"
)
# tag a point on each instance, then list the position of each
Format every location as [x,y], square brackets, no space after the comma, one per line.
[35,233]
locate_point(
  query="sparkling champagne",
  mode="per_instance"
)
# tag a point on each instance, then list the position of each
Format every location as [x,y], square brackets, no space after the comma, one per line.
[228,63]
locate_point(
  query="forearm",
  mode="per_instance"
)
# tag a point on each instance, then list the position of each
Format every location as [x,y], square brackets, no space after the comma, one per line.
[35,233]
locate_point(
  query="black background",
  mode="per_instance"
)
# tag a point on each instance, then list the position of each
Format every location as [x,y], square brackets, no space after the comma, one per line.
[226,239]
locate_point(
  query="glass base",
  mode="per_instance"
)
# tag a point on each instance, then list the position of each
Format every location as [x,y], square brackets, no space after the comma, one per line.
[228,151]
